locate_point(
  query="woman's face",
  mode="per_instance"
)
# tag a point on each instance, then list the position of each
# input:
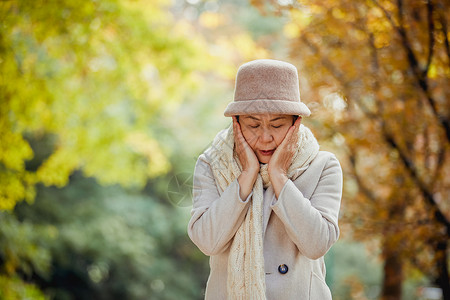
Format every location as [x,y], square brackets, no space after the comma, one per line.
[264,133]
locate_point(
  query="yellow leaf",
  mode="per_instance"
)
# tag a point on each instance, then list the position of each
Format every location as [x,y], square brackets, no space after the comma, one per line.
[211,20]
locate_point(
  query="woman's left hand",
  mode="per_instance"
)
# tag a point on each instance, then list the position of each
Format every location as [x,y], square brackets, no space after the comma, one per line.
[282,157]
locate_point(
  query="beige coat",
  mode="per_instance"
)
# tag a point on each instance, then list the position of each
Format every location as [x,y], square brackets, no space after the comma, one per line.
[299,228]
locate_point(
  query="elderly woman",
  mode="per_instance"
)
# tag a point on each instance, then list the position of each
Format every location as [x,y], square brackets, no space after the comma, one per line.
[265,199]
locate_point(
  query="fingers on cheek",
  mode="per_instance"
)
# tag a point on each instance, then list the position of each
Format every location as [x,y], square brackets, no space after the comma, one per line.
[292,146]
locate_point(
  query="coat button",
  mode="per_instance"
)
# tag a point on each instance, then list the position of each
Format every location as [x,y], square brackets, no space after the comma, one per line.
[283,269]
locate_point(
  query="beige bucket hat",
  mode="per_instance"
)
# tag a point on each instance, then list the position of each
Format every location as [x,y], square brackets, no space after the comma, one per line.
[267,86]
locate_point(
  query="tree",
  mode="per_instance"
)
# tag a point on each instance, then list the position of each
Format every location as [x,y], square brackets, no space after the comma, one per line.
[83,86]
[89,79]
[108,243]
[381,69]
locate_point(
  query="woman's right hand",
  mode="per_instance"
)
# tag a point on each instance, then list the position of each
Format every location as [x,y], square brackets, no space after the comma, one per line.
[245,153]
[248,159]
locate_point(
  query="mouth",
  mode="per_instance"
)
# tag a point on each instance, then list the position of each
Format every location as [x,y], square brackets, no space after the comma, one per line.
[267,152]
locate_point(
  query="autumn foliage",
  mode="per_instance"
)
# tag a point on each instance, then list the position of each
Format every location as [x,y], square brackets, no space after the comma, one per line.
[128,92]
[380,71]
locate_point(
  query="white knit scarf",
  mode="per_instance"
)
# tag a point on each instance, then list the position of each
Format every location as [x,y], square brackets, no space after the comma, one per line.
[246,277]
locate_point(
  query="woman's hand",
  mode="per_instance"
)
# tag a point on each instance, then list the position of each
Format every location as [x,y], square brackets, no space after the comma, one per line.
[245,153]
[248,159]
[282,158]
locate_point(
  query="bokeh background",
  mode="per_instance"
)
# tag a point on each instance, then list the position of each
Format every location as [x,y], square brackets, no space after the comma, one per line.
[106,104]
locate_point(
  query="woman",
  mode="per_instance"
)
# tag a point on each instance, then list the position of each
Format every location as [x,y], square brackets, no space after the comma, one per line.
[265,199]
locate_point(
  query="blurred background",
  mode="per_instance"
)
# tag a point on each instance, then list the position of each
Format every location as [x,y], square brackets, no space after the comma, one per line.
[106,105]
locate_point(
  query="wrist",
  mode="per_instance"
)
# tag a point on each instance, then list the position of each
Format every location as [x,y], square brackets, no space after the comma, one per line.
[278,181]
[277,172]
[278,176]
[246,181]
[253,171]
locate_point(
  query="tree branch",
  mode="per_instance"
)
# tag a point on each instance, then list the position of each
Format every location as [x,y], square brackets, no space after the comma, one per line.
[444,31]
[419,75]
[335,73]
[364,189]
[389,139]
[430,9]
[386,14]
[428,196]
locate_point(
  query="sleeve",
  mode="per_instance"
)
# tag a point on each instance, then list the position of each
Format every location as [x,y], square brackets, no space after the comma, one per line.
[312,224]
[214,218]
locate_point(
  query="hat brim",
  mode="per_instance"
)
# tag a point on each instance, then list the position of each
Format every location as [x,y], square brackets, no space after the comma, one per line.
[250,107]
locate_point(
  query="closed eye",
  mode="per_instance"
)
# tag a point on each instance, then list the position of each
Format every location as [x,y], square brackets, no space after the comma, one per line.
[276,126]
[254,126]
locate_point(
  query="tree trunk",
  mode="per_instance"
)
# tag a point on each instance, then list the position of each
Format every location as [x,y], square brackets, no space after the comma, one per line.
[443,280]
[393,274]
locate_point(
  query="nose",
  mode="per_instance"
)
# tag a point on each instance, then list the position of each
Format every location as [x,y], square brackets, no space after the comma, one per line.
[266,136]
